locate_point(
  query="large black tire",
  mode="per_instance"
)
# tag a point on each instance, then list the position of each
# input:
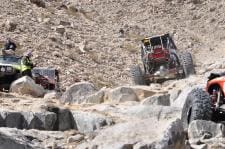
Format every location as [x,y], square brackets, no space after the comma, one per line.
[198,106]
[187,63]
[137,75]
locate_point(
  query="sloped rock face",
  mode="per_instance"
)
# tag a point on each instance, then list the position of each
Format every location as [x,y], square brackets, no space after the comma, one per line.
[28,120]
[78,92]
[122,94]
[12,139]
[88,122]
[160,99]
[200,131]
[151,111]
[97,97]
[128,93]
[27,86]
[65,120]
[127,135]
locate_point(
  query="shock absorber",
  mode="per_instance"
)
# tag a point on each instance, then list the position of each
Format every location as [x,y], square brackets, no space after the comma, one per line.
[214,96]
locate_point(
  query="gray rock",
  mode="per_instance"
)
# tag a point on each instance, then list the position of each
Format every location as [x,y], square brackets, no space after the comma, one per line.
[173,137]
[13,139]
[141,145]
[39,120]
[152,111]
[122,94]
[10,25]
[88,122]
[201,129]
[96,98]
[65,120]
[161,99]
[13,119]
[150,134]
[76,138]
[77,93]
[45,120]
[60,29]
[39,3]
[2,119]
[65,23]
[200,146]
[30,120]
[174,94]
[52,95]
[27,86]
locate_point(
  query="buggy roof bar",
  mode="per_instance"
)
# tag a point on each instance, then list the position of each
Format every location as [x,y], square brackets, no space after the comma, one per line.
[156,36]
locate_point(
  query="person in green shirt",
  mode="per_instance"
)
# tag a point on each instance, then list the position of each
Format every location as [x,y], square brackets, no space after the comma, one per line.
[27,64]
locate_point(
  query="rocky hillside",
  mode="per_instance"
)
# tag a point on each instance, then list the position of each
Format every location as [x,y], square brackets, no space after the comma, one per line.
[97,42]
[83,38]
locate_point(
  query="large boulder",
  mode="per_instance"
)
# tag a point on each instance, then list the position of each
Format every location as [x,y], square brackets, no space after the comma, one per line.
[149,133]
[143,92]
[128,93]
[26,85]
[39,120]
[97,97]
[13,139]
[200,129]
[122,94]
[159,99]
[86,122]
[174,94]
[28,120]
[64,120]
[12,119]
[78,92]
[45,120]
[127,112]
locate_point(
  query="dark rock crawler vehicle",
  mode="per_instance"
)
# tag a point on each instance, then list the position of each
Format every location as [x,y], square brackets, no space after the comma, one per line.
[11,69]
[161,61]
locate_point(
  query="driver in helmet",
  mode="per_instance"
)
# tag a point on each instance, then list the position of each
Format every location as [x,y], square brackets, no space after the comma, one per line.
[147,44]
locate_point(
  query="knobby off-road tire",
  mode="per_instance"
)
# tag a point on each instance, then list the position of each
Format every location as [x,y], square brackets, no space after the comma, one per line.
[137,75]
[197,107]
[187,63]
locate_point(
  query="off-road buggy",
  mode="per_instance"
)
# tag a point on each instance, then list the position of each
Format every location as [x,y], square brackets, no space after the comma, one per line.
[161,61]
[46,77]
[11,69]
[206,104]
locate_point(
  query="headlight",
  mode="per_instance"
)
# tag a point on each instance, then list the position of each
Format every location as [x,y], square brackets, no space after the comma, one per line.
[9,69]
[3,69]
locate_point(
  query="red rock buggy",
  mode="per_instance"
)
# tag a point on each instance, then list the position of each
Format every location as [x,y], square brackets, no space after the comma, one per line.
[46,77]
[161,61]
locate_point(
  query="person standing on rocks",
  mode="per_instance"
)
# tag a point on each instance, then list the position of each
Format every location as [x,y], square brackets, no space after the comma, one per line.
[9,47]
[27,64]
